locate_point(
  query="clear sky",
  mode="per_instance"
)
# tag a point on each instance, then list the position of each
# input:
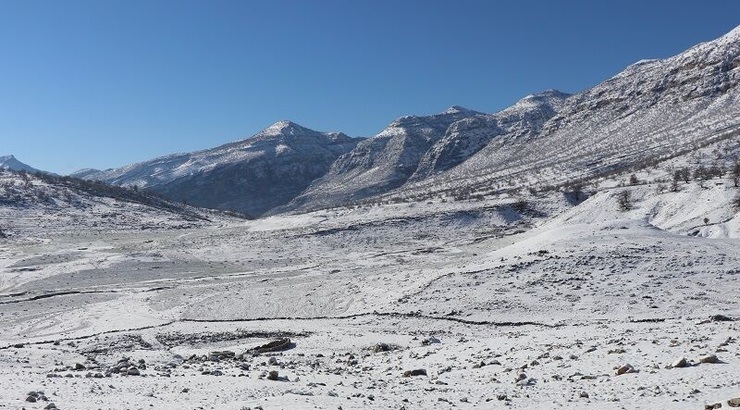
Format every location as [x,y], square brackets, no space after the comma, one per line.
[104,83]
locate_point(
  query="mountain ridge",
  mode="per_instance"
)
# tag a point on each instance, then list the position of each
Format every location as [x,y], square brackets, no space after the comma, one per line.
[649,111]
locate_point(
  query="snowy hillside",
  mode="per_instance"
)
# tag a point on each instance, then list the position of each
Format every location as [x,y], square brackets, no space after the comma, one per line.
[43,204]
[464,138]
[249,176]
[9,162]
[650,112]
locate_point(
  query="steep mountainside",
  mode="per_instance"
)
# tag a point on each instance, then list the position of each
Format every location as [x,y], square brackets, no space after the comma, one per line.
[382,162]
[249,176]
[468,136]
[652,111]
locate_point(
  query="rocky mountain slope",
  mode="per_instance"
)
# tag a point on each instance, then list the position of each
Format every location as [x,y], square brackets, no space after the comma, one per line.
[652,111]
[250,176]
[381,163]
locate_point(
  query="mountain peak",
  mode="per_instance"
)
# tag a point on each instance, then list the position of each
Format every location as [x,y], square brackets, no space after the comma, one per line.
[284,128]
[10,162]
[456,109]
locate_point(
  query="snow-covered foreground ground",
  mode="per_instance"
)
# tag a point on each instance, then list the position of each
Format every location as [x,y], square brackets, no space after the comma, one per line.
[402,306]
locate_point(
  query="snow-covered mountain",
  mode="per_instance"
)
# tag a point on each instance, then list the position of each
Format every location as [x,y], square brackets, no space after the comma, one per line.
[383,162]
[652,111]
[464,138]
[9,162]
[47,203]
[249,176]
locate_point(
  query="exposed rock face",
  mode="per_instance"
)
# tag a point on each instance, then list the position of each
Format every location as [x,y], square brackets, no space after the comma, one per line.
[380,163]
[464,138]
[651,111]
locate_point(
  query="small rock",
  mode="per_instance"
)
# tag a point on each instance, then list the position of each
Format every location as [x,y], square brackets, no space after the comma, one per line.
[520,377]
[734,402]
[583,394]
[712,406]
[712,358]
[624,369]
[527,382]
[79,366]
[430,340]
[381,347]
[50,406]
[415,372]
[273,375]
[133,371]
[680,363]
[31,399]
[720,318]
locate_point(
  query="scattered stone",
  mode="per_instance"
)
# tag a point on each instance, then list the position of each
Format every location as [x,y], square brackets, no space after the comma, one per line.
[31,399]
[273,375]
[721,318]
[415,372]
[679,363]
[50,406]
[624,369]
[430,340]
[133,371]
[712,358]
[712,406]
[520,377]
[381,347]
[734,402]
[80,366]
[583,394]
[527,382]
[501,397]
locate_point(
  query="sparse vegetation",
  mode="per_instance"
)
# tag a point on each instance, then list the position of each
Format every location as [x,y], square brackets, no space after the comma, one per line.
[624,200]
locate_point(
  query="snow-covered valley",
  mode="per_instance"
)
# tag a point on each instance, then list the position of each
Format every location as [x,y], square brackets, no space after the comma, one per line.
[491,303]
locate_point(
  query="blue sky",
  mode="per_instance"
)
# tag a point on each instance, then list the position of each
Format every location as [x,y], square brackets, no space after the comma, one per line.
[104,83]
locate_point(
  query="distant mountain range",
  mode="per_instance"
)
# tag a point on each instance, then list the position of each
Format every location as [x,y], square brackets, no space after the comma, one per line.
[652,111]
[250,176]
